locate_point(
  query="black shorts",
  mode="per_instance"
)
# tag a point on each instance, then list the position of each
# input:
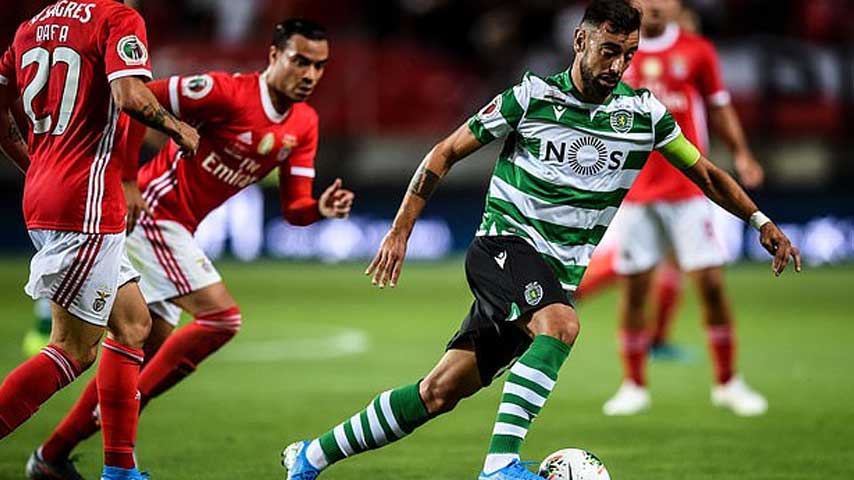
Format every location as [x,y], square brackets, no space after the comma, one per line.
[509,280]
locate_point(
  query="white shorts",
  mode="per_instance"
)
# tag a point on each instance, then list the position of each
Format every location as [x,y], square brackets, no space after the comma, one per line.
[80,272]
[649,232]
[171,264]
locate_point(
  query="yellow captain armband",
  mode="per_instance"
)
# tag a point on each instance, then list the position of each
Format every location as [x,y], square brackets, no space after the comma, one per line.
[681,153]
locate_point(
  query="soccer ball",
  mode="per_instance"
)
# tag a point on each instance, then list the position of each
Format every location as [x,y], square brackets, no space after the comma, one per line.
[573,464]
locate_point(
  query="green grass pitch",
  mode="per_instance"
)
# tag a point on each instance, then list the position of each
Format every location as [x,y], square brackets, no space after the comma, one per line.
[318,343]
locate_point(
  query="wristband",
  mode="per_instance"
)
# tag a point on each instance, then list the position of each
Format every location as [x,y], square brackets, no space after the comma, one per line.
[758,219]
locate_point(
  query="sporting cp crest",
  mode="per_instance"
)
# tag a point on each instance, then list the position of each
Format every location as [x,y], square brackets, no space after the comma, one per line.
[533,293]
[622,120]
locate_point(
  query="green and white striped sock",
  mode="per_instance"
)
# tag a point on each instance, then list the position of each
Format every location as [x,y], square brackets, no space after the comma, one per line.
[389,417]
[529,384]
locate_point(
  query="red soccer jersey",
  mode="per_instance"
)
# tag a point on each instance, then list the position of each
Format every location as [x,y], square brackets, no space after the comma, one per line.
[61,62]
[243,138]
[682,70]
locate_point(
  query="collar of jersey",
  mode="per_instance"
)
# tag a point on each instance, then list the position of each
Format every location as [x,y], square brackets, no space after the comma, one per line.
[272,114]
[662,42]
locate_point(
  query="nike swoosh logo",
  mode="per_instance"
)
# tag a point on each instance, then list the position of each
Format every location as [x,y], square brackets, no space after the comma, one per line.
[501,258]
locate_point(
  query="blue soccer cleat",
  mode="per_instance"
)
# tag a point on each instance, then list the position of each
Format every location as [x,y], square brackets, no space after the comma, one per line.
[515,471]
[116,473]
[297,464]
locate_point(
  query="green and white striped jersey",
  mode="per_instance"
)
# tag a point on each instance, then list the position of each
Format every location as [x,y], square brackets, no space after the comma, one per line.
[566,165]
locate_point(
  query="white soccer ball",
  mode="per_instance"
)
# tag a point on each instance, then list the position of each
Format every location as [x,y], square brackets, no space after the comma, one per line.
[573,464]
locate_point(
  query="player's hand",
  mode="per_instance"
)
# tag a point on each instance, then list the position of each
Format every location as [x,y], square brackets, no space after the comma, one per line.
[777,244]
[749,171]
[335,202]
[187,139]
[136,204]
[389,259]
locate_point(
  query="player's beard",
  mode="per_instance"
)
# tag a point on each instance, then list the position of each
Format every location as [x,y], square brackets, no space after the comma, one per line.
[592,86]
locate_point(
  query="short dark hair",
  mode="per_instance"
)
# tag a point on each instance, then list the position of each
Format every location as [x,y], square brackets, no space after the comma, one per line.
[309,29]
[620,15]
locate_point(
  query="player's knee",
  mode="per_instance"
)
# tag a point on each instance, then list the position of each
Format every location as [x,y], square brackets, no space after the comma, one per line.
[226,321]
[558,321]
[439,396]
[711,285]
[133,331]
[84,355]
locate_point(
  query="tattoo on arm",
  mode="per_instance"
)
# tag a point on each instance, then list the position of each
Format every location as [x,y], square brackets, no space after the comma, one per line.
[154,116]
[424,182]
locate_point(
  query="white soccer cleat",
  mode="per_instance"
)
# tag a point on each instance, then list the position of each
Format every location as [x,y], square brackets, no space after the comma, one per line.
[630,399]
[739,397]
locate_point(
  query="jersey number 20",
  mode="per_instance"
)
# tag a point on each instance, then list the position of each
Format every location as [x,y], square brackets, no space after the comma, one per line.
[42,58]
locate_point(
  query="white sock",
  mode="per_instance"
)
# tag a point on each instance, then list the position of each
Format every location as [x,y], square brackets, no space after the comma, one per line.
[315,455]
[497,461]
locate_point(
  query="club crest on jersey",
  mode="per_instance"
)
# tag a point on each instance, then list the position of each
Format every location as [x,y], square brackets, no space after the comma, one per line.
[492,110]
[197,87]
[132,51]
[587,156]
[101,302]
[289,143]
[622,121]
[265,146]
[679,67]
[533,293]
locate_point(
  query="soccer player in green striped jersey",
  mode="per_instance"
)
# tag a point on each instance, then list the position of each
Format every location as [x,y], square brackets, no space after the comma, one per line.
[573,144]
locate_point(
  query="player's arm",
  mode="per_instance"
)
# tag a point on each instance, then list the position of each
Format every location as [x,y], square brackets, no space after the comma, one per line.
[497,119]
[11,140]
[389,259]
[133,97]
[725,123]
[722,189]
[723,117]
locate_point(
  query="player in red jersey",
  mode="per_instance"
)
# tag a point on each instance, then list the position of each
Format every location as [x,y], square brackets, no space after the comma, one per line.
[77,66]
[250,125]
[666,215]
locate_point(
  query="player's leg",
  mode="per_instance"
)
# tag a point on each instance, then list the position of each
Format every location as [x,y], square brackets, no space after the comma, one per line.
[118,380]
[642,247]
[72,349]
[216,320]
[667,291]
[529,383]
[61,268]
[390,416]
[83,420]
[699,252]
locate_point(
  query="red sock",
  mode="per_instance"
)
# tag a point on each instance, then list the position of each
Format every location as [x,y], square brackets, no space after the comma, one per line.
[182,352]
[118,396]
[633,347]
[27,387]
[78,425]
[600,273]
[669,288]
[722,347]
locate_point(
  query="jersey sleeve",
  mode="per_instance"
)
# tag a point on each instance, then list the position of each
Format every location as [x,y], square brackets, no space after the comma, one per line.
[206,97]
[664,126]
[503,114]
[126,46]
[296,180]
[7,67]
[709,78]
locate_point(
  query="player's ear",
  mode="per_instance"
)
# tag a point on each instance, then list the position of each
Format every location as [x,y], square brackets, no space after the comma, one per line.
[274,54]
[580,40]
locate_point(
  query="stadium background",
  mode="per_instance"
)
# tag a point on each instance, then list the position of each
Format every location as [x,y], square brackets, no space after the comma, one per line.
[319,343]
